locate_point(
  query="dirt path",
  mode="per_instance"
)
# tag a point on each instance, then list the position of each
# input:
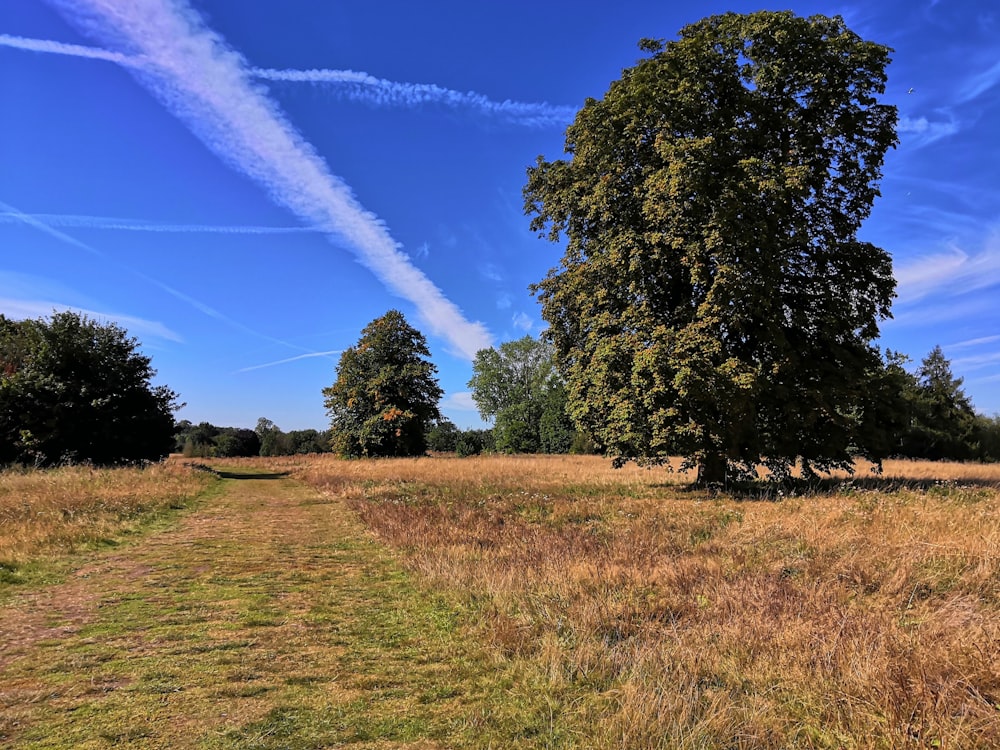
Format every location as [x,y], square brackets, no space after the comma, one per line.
[265,618]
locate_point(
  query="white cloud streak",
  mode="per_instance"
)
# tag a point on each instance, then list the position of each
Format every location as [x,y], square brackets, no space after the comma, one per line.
[349,84]
[206,84]
[310,355]
[20,309]
[61,48]
[973,342]
[76,221]
[362,87]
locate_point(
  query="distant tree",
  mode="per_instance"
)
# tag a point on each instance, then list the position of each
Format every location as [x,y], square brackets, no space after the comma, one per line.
[714,298]
[987,437]
[474,442]
[181,431]
[308,441]
[386,392]
[442,435]
[73,389]
[517,386]
[942,420]
[234,442]
[273,442]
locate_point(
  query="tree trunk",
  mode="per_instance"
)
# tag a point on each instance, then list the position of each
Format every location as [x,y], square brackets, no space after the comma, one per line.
[711,469]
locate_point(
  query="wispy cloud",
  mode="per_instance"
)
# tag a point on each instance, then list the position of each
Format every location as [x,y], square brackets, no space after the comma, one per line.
[973,342]
[521,321]
[76,221]
[977,85]
[310,355]
[948,272]
[202,307]
[919,131]
[21,309]
[461,401]
[975,362]
[358,86]
[193,72]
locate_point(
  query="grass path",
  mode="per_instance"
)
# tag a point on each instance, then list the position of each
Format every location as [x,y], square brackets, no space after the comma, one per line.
[264,618]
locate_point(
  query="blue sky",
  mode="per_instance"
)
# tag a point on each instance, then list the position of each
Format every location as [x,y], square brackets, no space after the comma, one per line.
[245,185]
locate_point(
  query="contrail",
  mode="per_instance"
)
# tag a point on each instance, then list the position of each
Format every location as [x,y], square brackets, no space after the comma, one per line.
[363,87]
[349,84]
[290,359]
[135,225]
[34,221]
[197,76]
[73,50]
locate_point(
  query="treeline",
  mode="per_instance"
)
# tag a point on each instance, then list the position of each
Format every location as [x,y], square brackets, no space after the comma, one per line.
[936,418]
[206,440]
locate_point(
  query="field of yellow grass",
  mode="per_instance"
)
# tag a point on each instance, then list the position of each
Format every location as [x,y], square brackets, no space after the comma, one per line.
[57,509]
[863,614]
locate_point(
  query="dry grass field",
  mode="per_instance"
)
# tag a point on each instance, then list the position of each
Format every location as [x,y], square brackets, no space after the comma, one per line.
[56,510]
[860,614]
[615,608]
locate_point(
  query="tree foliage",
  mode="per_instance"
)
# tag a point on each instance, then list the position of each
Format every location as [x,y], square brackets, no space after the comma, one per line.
[73,389]
[714,299]
[519,388]
[386,392]
[942,422]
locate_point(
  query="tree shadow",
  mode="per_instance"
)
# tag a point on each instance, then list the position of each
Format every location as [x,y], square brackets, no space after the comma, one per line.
[229,474]
[249,475]
[775,491]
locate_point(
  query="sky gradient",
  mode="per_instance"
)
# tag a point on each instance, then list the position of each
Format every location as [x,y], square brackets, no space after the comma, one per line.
[244,186]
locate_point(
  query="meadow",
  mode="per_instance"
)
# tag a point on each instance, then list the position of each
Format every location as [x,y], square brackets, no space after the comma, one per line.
[46,513]
[864,613]
[625,609]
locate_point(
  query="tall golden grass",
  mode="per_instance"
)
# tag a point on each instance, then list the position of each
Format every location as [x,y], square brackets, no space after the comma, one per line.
[56,509]
[862,615]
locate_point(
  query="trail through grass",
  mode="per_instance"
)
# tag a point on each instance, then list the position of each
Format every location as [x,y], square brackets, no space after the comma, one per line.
[264,618]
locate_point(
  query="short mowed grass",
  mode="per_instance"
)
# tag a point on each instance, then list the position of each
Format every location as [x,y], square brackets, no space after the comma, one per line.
[515,601]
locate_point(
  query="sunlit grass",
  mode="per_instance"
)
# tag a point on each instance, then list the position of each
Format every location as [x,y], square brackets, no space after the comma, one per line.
[48,511]
[862,614]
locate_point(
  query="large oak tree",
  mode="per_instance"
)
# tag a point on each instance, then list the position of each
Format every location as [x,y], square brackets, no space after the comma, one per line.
[714,299]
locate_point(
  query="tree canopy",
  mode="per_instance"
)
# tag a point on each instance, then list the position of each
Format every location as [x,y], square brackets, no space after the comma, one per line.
[386,392]
[714,299]
[73,389]
[519,388]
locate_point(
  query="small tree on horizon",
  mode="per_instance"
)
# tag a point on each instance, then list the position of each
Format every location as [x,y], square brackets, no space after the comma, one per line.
[386,393]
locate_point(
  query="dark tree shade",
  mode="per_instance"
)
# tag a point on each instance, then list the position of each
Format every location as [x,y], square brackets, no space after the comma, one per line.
[714,299]
[73,389]
[385,395]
